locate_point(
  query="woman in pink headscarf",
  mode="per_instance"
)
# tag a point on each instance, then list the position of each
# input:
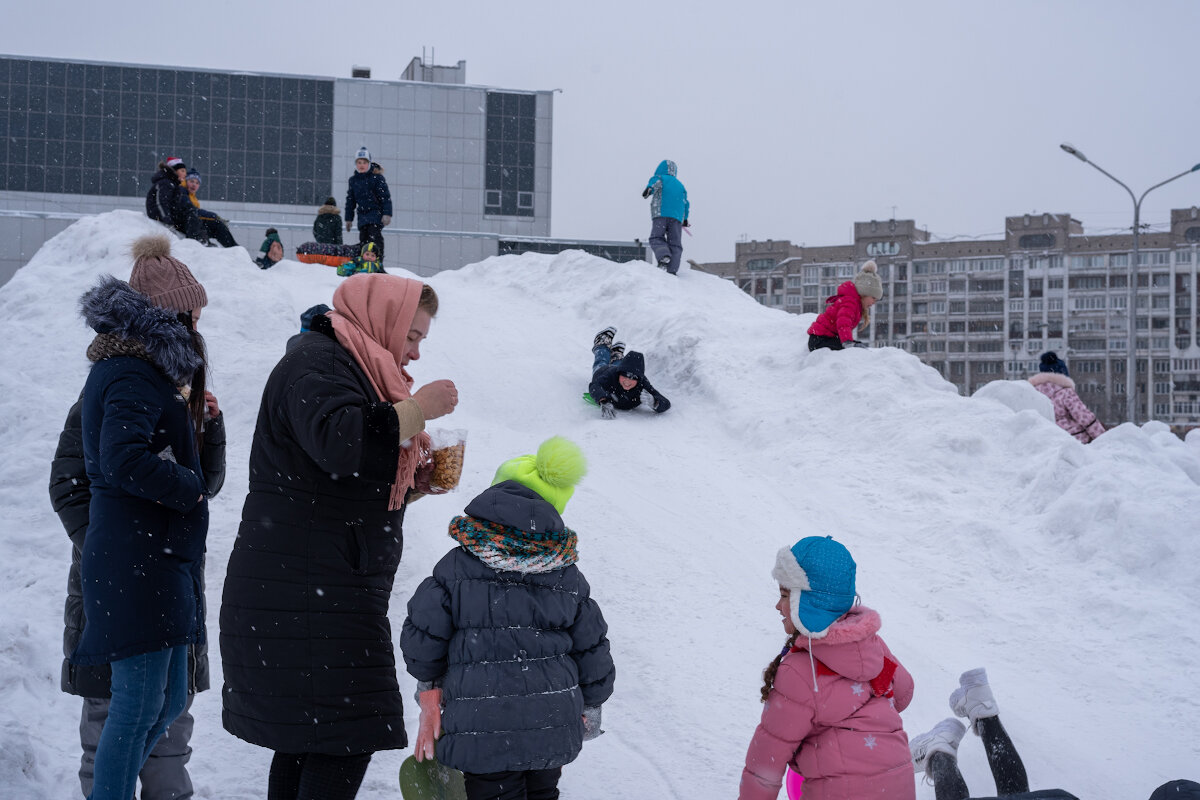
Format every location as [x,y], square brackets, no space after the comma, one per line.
[306,644]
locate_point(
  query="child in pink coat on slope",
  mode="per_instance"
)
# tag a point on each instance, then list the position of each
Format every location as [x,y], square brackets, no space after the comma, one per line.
[847,312]
[833,696]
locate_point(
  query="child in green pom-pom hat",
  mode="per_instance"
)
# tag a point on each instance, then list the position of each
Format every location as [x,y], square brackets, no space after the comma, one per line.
[510,650]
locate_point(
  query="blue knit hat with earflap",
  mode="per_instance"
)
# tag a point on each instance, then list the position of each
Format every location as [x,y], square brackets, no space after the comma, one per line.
[552,473]
[819,574]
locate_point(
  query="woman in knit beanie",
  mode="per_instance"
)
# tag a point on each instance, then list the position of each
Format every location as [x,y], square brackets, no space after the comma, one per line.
[847,312]
[169,285]
[510,699]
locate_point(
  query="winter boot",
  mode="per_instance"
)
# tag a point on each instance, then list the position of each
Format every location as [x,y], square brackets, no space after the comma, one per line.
[617,352]
[973,697]
[942,738]
[665,263]
[604,338]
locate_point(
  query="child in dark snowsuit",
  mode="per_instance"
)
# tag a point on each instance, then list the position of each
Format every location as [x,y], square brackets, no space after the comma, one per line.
[271,251]
[510,649]
[368,195]
[618,379]
[327,227]
[168,202]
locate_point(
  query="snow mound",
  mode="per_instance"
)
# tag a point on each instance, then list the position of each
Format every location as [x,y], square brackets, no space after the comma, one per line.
[984,534]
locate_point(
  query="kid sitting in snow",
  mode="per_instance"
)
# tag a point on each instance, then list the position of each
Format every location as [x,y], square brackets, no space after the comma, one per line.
[847,312]
[366,261]
[271,250]
[510,650]
[833,695]
[618,379]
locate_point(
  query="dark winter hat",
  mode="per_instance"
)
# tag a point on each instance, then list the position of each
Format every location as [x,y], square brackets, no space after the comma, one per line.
[1177,790]
[867,281]
[819,573]
[331,201]
[175,162]
[193,174]
[363,152]
[309,314]
[272,236]
[1051,363]
[165,280]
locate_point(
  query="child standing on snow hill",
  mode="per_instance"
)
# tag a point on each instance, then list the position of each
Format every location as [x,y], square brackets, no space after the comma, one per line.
[1070,412]
[847,312]
[833,695]
[510,649]
[368,195]
[618,380]
[669,215]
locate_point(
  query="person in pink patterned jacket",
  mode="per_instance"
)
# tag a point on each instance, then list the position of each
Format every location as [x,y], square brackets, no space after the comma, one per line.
[1071,413]
[833,696]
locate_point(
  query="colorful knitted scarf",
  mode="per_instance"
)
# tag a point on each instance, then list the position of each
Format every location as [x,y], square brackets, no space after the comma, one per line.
[509,549]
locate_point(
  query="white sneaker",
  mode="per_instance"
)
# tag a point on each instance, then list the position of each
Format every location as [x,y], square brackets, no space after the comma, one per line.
[973,698]
[942,738]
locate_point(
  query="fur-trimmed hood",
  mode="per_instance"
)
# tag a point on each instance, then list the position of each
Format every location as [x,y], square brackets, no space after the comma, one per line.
[850,647]
[112,307]
[328,209]
[1052,377]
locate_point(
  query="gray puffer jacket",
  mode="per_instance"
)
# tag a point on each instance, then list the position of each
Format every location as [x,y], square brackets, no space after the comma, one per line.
[519,655]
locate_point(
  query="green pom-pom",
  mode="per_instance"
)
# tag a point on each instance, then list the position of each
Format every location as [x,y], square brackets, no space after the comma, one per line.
[560,462]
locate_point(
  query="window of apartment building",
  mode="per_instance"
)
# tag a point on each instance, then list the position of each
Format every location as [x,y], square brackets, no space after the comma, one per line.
[1118,281]
[794,301]
[509,161]
[1035,287]
[1183,282]
[901,272]
[900,289]
[1161,280]
[1162,387]
[1162,409]
[986,306]
[1162,366]
[937,326]
[1119,387]
[1054,303]
[1015,329]
[938,287]
[1143,301]
[1118,302]
[1015,306]
[1117,344]
[919,346]
[811,291]
[929,267]
[985,325]
[794,282]
[920,326]
[986,347]
[958,368]
[1160,323]
[1054,283]
[1035,305]
[810,308]
[828,272]
[920,308]
[1187,364]
[958,306]
[937,307]
[760,264]
[989,264]
[1183,256]
[987,285]
[1161,301]
[1088,367]
[899,328]
[957,346]
[938,346]
[1086,282]
[1118,260]
[1087,303]
[1033,347]
[1158,258]
[958,286]
[1086,262]
[1160,342]
[1089,344]
[1017,262]
[846,270]
[957,265]
[920,287]
[811,274]
[957,326]
[987,367]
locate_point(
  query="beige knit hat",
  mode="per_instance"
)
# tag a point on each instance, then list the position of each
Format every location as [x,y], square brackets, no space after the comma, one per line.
[867,281]
[165,280]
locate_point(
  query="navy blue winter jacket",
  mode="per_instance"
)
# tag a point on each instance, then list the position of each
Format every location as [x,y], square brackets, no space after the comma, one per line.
[606,386]
[368,195]
[148,518]
[519,654]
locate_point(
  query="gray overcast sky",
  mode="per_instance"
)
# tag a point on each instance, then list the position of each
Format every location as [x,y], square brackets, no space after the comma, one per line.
[789,120]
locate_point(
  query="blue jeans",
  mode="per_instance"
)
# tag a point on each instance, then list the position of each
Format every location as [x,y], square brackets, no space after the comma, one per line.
[148,692]
[601,357]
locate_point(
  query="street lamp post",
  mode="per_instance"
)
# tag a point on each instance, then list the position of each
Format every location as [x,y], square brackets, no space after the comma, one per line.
[1131,295]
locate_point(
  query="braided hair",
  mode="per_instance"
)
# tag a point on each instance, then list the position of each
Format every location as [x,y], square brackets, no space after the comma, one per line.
[773,667]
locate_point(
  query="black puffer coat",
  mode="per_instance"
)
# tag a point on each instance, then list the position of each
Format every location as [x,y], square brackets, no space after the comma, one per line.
[327,227]
[167,201]
[70,495]
[306,645]
[519,654]
[606,384]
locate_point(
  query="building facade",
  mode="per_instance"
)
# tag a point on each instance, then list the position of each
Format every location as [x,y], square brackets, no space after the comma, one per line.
[979,311]
[468,166]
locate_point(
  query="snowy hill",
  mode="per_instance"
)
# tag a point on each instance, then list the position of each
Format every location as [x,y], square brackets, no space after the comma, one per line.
[984,535]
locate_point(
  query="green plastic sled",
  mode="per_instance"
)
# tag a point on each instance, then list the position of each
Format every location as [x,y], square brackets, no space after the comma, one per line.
[429,780]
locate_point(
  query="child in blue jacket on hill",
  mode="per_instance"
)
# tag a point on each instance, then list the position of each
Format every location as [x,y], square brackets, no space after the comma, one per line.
[669,212]
[368,195]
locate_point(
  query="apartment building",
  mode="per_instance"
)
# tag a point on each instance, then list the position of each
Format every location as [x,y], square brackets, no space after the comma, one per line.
[979,311]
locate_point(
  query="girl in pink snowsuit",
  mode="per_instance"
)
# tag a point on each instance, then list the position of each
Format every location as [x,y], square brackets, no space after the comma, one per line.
[833,696]
[1070,412]
[847,312]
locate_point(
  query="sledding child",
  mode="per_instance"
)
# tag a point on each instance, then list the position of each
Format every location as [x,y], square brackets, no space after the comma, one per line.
[271,250]
[833,694]
[847,312]
[367,260]
[618,379]
[510,650]
[368,195]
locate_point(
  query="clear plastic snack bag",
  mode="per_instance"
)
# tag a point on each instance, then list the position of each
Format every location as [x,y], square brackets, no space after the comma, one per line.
[443,471]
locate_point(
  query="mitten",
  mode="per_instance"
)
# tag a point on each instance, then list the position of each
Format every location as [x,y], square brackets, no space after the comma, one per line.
[647,192]
[591,723]
[607,410]
[685,224]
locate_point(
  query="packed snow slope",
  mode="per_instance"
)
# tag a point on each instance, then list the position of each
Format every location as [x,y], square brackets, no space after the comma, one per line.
[983,533]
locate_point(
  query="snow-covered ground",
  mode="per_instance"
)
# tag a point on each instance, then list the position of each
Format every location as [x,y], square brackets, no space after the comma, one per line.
[983,533]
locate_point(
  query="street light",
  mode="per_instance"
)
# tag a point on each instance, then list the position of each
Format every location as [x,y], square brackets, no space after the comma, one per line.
[1131,359]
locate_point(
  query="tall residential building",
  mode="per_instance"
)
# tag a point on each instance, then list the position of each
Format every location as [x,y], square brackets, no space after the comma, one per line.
[468,166]
[979,311]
